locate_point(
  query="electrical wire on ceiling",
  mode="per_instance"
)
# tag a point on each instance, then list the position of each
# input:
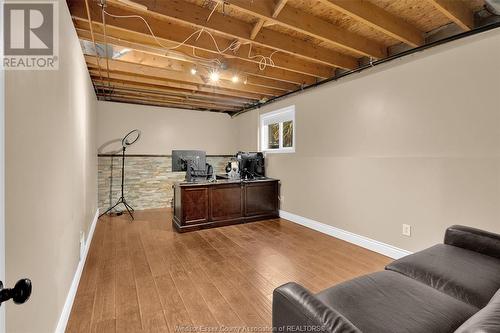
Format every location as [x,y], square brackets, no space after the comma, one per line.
[233,47]
[105,41]
[213,73]
[264,61]
[213,10]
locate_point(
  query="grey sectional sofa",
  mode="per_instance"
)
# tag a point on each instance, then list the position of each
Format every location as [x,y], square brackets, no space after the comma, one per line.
[450,287]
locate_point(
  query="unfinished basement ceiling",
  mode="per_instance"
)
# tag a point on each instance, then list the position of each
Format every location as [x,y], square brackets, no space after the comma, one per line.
[226,56]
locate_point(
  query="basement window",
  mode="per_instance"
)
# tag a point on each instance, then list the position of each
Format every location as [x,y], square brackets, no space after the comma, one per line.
[277,130]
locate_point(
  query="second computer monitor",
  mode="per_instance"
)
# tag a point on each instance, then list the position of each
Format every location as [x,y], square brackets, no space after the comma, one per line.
[182,158]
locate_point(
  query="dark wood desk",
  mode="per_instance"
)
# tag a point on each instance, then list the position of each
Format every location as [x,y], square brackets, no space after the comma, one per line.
[205,204]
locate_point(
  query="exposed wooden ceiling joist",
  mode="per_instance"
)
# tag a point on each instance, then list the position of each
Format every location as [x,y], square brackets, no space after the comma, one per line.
[279,7]
[170,34]
[313,26]
[123,82]
[135,77]
[457,11]
[248,80]
[180,76]
[138,97]
[261,21]
[104,88]
[189,13]
[306,45]
[156,58]
[130,40]
[377,18]
[130,100]
[256,28]
[133,41]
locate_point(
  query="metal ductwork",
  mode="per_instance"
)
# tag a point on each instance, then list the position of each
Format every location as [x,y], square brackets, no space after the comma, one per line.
[493,6]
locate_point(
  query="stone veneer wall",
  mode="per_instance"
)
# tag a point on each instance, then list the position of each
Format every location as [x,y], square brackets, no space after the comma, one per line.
[148,179]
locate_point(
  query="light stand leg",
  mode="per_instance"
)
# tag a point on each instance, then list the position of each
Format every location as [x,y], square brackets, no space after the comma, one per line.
[110,208]
[130,207]
[122,200]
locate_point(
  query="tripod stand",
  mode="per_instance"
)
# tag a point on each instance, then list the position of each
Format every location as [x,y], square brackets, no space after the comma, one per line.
[122,200]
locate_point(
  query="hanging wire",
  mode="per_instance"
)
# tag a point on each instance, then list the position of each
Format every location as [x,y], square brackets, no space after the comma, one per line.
[105,44]
[263,61]
[213,10]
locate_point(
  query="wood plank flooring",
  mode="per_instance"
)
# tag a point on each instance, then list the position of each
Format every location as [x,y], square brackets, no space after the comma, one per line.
[142,276]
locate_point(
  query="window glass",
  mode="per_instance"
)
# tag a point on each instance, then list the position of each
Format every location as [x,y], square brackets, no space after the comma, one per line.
[288,134]
[277,130]
[274,136]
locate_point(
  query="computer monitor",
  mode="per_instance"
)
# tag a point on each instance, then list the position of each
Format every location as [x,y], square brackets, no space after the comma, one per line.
[251,165]
[182,158]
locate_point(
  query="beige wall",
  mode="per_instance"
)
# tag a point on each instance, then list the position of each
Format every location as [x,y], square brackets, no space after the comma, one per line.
[51,179]
[164,129]
[415,141]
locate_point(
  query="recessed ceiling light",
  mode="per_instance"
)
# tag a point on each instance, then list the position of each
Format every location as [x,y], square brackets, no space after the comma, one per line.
[214,76]
[235,79]
[193,71]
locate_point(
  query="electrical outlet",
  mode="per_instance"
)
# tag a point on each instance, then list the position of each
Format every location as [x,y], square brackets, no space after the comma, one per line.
[82,244]
[407,230]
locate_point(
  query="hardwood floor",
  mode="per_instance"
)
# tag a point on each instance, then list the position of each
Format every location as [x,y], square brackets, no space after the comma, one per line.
[145,277]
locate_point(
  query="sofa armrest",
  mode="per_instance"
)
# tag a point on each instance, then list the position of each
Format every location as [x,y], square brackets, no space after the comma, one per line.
[472,239]
[295,309]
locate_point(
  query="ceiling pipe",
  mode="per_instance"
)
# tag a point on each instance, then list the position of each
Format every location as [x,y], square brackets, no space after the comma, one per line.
[375,63]
[493,6]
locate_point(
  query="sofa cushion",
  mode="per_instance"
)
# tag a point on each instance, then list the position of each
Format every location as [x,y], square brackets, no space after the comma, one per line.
[390,302]
[485,321]
[466,275]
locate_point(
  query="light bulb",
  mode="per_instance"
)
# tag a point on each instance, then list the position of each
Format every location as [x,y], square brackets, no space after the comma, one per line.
[214,76]
[235,79]
[193,71]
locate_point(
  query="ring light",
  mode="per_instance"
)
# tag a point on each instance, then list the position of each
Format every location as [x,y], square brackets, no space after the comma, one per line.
[131,138]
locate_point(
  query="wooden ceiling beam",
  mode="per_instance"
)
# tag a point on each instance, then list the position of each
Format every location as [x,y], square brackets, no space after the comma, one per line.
[175,102]
[169,101]
[457,11]
[181,76]
[165,82]
[130,100]
[195,15]
[248,80]
[311,25]
[145,93]
[287,68]
[256,28]
[279,7]
[261,21]
[379,19]
[160,89]
[161,61]
[121,39]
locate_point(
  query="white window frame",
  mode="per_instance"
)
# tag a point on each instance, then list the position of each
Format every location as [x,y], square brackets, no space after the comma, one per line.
[278,116]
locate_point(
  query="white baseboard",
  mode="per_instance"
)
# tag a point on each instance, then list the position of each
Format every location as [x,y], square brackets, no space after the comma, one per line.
[68,304]
[368,243]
